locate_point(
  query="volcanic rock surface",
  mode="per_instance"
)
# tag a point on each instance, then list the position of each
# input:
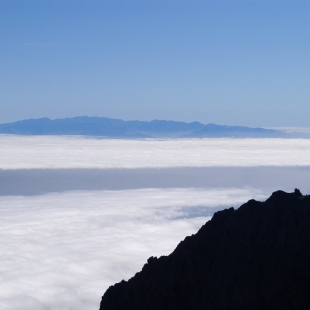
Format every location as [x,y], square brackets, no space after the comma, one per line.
[255,257]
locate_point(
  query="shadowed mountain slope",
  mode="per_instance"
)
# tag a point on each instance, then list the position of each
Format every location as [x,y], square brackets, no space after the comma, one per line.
[255,257]
[116,128]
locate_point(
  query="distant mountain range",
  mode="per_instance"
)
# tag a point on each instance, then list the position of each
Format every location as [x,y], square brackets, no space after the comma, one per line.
[117,128]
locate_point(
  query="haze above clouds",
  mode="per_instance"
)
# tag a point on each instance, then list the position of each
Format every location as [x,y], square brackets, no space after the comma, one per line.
[39,181]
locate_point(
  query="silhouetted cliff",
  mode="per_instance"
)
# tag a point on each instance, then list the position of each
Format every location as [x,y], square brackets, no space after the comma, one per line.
[255,257]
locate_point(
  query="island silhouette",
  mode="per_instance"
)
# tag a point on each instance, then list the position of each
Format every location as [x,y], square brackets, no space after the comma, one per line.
[117,128]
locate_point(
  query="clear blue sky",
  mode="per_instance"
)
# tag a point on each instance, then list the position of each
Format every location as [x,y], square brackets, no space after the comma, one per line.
[228,62]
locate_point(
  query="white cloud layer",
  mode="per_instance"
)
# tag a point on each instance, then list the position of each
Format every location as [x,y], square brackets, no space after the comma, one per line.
[19,152]
[62,251]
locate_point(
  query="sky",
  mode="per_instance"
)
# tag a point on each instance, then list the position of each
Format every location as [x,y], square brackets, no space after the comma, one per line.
[241,62]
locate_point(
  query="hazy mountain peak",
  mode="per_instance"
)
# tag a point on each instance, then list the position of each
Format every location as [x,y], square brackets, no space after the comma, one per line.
[117,128]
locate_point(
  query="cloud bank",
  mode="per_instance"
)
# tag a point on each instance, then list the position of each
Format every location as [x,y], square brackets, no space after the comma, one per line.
[49,152]
[62,251]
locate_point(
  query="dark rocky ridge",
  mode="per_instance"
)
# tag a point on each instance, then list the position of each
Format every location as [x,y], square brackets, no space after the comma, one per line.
[255,257]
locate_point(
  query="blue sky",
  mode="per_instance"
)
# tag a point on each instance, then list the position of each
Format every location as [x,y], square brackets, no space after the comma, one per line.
[222,61]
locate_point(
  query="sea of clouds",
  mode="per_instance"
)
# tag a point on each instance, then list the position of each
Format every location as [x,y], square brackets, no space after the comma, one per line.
[24,152]
[64,242]
[62,251]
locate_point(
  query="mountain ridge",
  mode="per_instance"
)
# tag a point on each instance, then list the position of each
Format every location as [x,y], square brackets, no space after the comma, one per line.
[117,128]
[254,257]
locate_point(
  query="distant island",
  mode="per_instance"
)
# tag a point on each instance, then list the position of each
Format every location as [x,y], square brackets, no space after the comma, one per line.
[117,128]
[256,257]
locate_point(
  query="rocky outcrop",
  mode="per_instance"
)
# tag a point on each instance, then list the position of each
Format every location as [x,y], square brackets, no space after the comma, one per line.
[255,257]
